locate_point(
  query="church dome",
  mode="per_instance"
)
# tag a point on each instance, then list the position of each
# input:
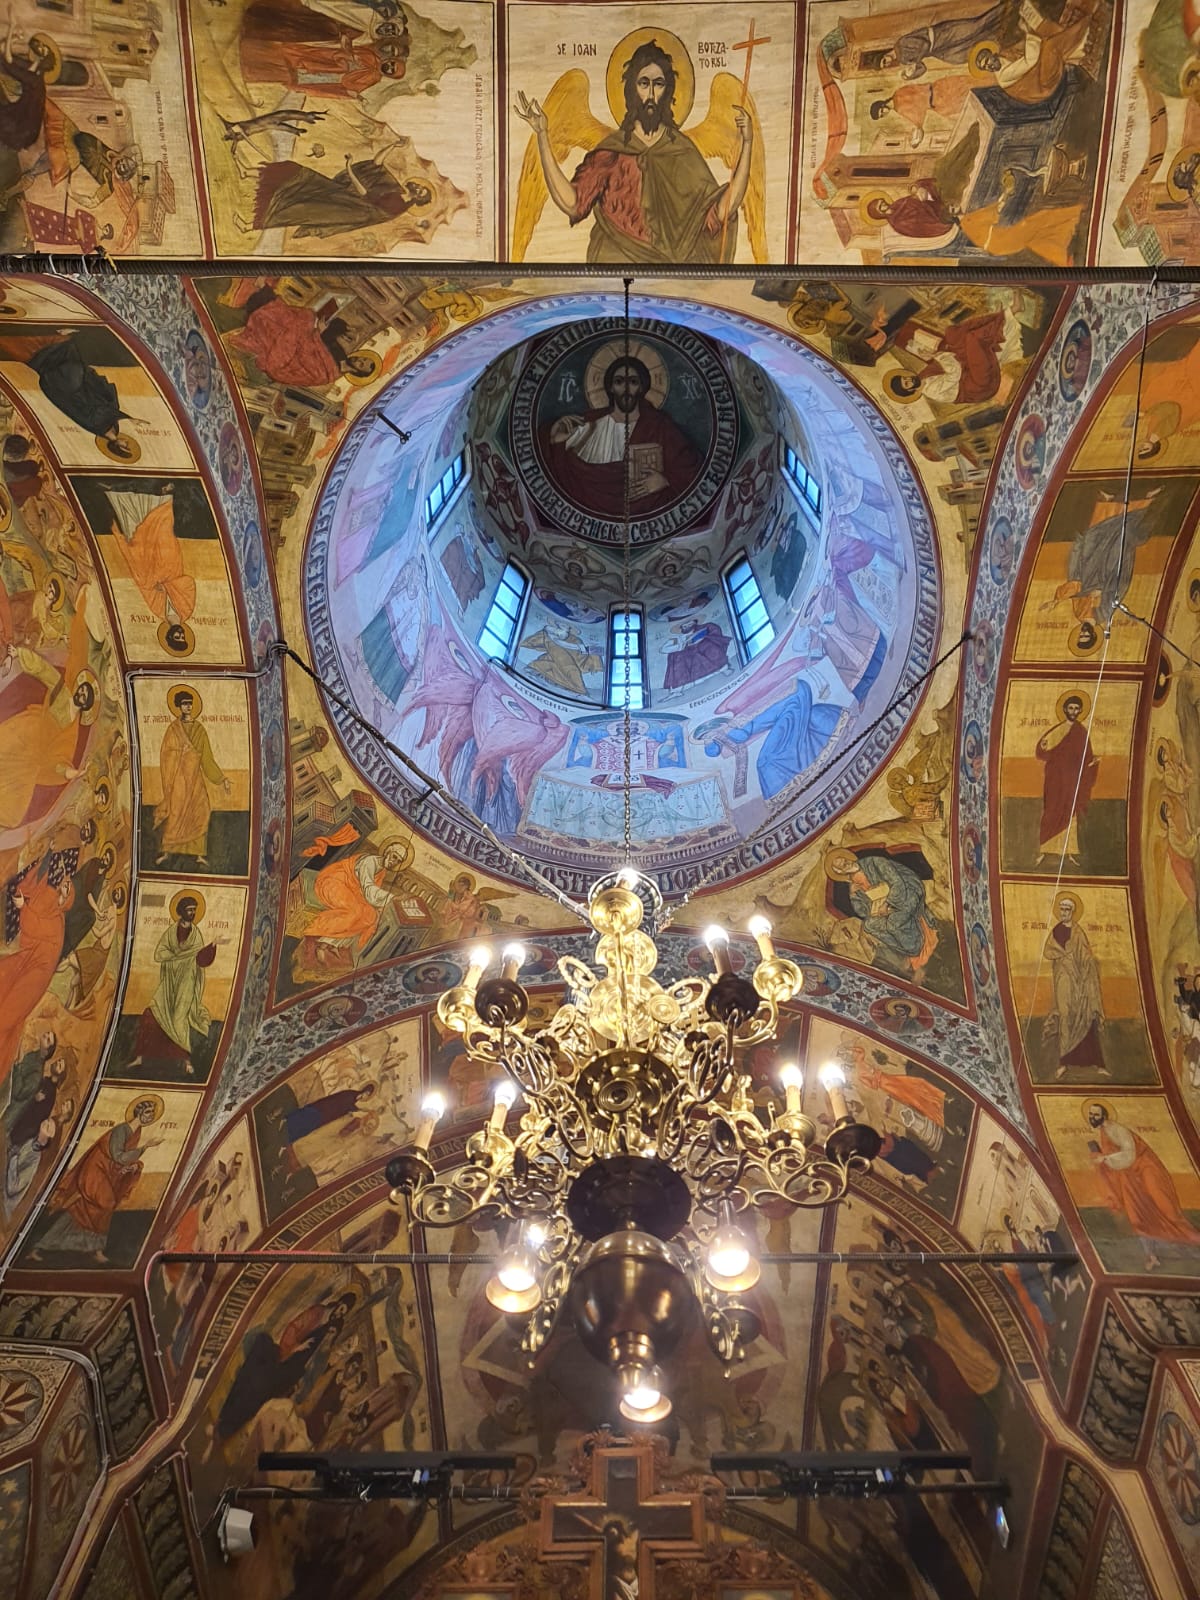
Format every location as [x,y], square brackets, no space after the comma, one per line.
[484,583]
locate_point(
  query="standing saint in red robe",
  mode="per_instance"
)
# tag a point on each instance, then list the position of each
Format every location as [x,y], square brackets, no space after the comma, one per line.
[1069,776]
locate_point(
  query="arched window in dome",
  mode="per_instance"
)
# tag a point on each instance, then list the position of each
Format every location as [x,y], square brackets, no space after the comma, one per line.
[795,470]
[751,621]
[445,491]
[498,635]
[627,660]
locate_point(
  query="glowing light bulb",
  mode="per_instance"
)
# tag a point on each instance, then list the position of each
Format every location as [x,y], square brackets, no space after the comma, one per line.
[517,1275]
[535,1232]
[792,1079]
[628,877]
[643,1397]
[760,931]
[433,1109]
[503,1096]
[833,1081]
[478,958]
[731,1262]
[641,1388]
[513,961]
[717,941]
[730,1257]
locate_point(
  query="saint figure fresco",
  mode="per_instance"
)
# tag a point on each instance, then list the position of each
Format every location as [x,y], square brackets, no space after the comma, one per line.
[187,767]
[646,186]
[1136,1182]
[1078,1015]
[1070,770]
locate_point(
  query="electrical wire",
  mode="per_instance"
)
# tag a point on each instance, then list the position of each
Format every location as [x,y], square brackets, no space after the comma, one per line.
[432,786]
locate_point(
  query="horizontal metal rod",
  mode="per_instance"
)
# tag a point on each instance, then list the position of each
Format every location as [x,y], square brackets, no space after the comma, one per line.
[466,271]
[476,1493]
[432,1258]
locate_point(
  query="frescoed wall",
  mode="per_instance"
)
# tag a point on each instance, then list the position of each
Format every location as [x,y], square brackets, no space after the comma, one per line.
[491,130]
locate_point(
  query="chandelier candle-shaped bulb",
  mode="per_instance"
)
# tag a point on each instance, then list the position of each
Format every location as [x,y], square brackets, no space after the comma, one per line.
[792,1079]
[512,961]
[759,930]
[433,1109]
[833,1081]
[628,877]
[717,941]
[502,1102]
[478,958]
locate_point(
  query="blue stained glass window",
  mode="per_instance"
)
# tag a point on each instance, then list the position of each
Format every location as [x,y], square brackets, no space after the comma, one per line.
[751,620]
[626,661]
[498,634]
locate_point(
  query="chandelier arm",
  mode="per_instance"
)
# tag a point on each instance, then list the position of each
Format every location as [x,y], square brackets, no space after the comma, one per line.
[446,1201]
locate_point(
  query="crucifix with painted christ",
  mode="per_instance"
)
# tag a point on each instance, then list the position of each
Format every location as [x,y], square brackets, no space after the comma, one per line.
[621,1526]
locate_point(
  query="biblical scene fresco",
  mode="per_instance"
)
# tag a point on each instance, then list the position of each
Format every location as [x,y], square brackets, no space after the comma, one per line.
[1151,212]
[65,825]
[718,752]
[925,1121]
[94,151]
[97,403]
[1169,847]
[325,1358]
[876,891]
[362,887]
[1099,548]
[1007,1205]
[1163,416]
[623,133]
[1064,776]
[325,131]
[952,130]
[688,101]
[943,362]
[908,1362]
[1074,984]
[103,1207]
[166,564]
[347,1109]
[1130,1177]
[223,1212]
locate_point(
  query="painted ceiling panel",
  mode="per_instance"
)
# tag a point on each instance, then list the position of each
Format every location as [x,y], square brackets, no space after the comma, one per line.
[229,908]
[889,134]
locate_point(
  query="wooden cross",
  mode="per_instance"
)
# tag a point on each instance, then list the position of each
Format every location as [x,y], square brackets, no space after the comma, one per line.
[621,1525]
[747,44]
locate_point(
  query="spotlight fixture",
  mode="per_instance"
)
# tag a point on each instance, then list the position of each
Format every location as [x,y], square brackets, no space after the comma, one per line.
[638,1158]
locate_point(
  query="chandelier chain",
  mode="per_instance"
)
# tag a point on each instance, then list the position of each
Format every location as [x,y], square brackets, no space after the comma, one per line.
[627,601]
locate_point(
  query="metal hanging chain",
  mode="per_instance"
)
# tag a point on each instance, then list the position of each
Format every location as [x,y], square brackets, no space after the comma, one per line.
[627,601]
[432,786]
[790,797]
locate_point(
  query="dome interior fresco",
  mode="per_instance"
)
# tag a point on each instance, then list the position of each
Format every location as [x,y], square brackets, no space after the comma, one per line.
[327,328]
[848,584]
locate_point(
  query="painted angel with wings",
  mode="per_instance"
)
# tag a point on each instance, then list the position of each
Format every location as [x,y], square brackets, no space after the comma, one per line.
[647,185]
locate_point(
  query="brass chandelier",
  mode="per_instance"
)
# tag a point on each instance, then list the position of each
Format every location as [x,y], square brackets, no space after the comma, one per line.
[629,1175]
